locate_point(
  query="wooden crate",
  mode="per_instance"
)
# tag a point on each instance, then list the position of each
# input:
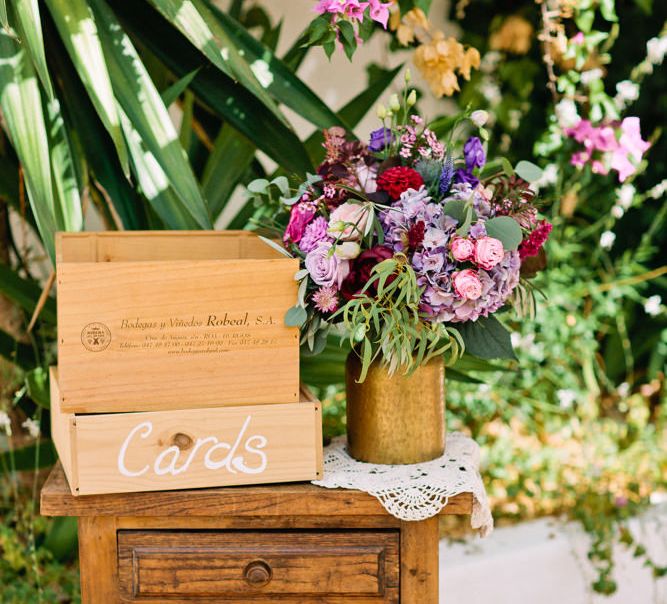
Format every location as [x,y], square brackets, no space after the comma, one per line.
[166,450]
[174,320]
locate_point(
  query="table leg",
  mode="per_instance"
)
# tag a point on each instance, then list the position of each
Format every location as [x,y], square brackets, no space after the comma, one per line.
[98,559]
[419,562]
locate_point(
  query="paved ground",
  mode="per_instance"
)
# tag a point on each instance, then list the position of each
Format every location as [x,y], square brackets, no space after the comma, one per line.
[544,562]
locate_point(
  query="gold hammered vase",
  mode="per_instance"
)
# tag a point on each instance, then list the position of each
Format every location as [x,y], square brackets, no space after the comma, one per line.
[395,419]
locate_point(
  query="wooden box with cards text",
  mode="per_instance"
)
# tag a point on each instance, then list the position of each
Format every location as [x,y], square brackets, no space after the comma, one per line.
[150,321]
[185,449]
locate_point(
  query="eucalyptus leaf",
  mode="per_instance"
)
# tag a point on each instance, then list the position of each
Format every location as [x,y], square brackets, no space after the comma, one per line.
[528,171]
[506,229]
[296,316]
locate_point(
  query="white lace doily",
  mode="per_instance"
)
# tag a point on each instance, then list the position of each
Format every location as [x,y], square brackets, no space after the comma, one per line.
[418,491]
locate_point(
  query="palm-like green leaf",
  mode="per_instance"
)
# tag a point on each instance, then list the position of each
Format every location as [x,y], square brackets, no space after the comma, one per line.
[281,81]
[148,117]
[230,158]
[24,120]
[30,26]
[225,97]
[78,31]
[25,294]
[95,143]
[154,183]
[69,216]
[177,88]
[197,23]
[21,355]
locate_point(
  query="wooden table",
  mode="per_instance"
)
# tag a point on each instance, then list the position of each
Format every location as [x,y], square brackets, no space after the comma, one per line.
[293,544]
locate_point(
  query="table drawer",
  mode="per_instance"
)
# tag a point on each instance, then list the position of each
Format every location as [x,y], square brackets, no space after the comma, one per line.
[244,566]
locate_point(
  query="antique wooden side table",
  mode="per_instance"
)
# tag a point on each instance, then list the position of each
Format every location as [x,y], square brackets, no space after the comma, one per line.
[293,544]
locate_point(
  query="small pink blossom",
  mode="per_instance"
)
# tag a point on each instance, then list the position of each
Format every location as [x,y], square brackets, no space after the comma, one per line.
[467,284]
[380,12]
[330,6]
[598,167]
[578,38]
[326,299]
[631,138]
[579,159]
[488,252]
[354,10]
[604,139]
[462,249]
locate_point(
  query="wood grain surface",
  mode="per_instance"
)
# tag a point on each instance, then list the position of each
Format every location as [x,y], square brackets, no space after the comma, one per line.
[167,450]
[289,500]
[259,566]
[174,321]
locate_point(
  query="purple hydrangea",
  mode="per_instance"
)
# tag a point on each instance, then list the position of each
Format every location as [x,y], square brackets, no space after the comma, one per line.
[315,232]
[473,151]
[433,263]
[380,138]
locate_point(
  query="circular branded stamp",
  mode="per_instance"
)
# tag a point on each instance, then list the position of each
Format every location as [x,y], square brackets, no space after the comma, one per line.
[95,337]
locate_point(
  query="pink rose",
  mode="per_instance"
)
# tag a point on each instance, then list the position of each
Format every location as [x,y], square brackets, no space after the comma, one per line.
[348,221]
[325,267]
[462,249]
[467,284]
[302,213]
[488,252]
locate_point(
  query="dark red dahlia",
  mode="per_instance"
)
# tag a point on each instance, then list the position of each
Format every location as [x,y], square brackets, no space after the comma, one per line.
[416,234]
[398,180]
[360,271]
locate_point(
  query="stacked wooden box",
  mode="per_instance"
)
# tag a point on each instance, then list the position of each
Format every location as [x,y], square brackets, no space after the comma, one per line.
[176,369]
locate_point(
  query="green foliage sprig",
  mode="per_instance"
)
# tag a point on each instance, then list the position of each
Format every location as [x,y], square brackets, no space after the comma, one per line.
[391,325]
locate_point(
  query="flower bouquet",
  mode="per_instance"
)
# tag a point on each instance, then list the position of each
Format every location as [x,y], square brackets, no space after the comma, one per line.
[409,244]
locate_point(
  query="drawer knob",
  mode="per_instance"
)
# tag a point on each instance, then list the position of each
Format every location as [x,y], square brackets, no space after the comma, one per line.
[258,573]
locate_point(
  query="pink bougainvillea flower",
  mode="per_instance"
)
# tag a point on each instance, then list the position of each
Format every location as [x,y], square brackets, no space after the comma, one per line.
[354,10]
[582,133]
[631,145]
[631,138]
[380,12]
[330,6]
[599,167]
[621,163]
[604,139]
[578,38]
[579,159]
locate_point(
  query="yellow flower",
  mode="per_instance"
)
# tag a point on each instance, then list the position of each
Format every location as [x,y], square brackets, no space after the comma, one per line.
[440,58]
[413,24]
[515,35]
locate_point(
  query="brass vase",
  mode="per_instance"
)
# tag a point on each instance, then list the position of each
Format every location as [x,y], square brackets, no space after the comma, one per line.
[395,419]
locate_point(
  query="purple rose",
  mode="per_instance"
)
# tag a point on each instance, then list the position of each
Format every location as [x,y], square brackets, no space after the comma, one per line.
[474,153]
[380,138]
[325,267]
[302,213]
[466,177]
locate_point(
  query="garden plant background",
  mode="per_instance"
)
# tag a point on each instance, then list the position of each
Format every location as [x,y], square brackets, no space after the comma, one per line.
[123,115]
